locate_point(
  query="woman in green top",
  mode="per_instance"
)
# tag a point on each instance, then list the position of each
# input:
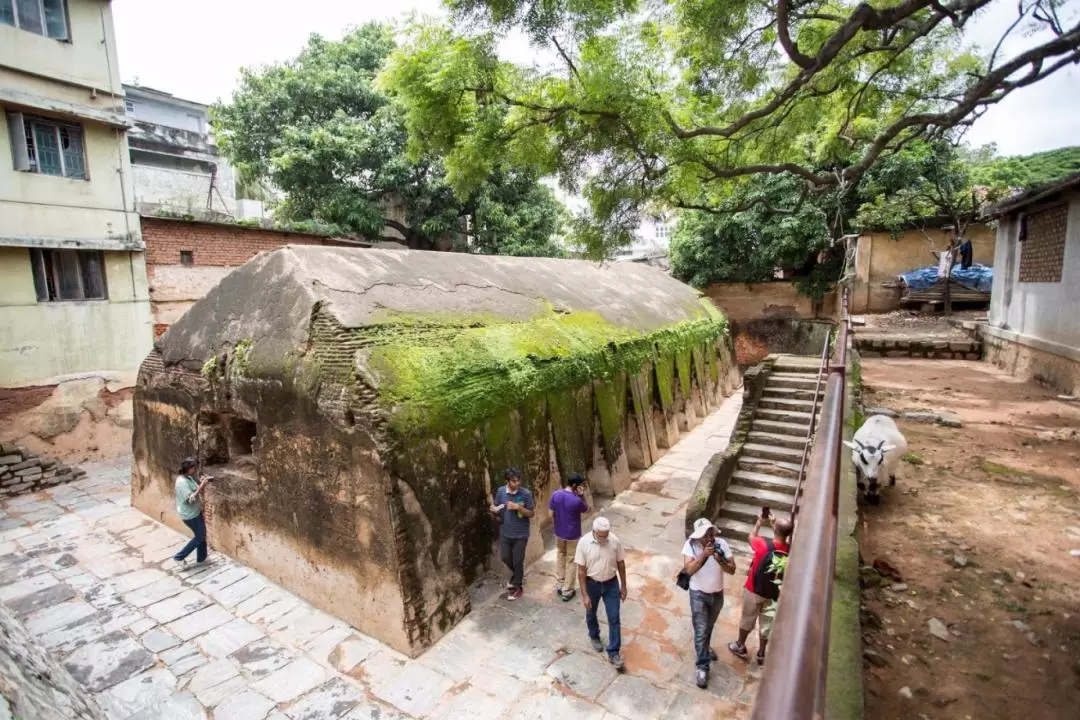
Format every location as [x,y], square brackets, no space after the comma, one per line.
[189,508]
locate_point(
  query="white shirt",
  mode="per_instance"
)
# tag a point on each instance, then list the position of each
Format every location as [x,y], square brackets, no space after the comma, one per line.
[710,578]
[600,561]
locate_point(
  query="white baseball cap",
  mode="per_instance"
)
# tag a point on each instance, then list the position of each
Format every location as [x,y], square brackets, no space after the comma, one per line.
[701,526]
[601,524]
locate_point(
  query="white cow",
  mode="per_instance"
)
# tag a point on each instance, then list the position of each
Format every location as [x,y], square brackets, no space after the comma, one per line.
[877,446]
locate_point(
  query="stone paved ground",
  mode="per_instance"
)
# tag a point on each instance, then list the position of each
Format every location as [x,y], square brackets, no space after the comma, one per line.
[155,641]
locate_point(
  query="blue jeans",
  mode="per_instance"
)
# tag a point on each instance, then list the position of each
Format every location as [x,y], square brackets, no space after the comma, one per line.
[609,592]
[198,542]
[704,610]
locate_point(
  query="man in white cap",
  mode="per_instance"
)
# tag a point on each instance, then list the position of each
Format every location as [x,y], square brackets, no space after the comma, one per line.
[599,558]
[706,557]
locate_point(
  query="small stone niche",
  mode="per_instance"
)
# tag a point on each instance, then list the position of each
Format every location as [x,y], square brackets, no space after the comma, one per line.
[225,438]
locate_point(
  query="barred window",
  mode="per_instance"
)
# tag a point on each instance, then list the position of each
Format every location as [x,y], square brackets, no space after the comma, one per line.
[68,275]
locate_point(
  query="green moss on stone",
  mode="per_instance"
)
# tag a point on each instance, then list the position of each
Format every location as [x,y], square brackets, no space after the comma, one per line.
[437,372]
[665,380]
[571,452]
[611,407]
[682,367]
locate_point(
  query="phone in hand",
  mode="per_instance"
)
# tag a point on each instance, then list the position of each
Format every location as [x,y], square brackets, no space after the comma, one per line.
[765,513]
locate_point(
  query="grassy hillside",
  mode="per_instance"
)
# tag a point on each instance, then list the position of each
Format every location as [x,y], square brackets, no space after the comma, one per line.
[1026,171]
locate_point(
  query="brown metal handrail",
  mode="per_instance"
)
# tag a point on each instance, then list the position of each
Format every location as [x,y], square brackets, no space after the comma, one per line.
[810,428]
[793,687]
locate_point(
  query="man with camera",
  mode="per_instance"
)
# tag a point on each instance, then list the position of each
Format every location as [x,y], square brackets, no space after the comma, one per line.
[706,557]
[189,508]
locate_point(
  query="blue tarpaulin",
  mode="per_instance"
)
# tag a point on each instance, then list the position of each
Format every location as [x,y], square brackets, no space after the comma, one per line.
[977,277]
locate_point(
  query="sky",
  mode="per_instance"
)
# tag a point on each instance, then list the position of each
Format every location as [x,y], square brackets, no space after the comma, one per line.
[195,49]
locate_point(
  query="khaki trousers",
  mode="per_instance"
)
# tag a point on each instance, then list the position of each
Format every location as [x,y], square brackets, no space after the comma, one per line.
[565,569]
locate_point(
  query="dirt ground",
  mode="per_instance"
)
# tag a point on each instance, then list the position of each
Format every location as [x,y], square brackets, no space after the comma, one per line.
[915,322]
[981,530]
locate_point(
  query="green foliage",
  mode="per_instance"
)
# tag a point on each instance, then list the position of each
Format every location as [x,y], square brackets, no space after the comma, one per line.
[748,245]
[675,103]
[927,181]
[913,459]
[446,373]
[1025,171]
[320,129]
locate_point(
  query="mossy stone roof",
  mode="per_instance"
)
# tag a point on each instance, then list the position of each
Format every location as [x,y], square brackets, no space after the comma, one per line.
[447,338]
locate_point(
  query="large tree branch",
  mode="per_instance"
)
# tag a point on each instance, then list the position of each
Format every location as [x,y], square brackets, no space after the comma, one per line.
[783,31]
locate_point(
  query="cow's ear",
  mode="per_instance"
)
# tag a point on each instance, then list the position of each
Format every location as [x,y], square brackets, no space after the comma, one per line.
[852,445]
[887,449]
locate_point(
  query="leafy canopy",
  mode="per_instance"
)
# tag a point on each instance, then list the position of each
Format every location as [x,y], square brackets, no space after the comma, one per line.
[679,101]
[320,129]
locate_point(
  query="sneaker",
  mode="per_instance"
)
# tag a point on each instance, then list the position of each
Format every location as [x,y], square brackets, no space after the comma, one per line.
[514,594]
[702,679]
[738,650]
[616,660]
[712,655]
[568,596]
[509,586]
[596,644]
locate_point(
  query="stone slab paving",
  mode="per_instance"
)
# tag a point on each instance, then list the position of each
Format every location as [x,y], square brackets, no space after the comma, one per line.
[92,579]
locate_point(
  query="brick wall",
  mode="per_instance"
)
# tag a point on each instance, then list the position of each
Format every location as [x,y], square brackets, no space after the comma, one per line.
[1042,253]
[215,250]
[215,244]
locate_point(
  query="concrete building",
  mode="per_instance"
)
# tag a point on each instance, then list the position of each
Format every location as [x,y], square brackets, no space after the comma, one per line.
[174,159]
[358,406]
[73,294]
[651,242]
[1033,330]
[881,256]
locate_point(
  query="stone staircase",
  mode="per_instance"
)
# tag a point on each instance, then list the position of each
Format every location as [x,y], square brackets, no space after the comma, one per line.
[768,467]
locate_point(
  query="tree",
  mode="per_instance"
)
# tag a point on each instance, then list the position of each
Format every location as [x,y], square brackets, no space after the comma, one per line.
[320,130]
[751,235]
[677,101]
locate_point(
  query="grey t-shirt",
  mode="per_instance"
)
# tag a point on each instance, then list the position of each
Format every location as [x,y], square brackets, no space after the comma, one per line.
[514,524]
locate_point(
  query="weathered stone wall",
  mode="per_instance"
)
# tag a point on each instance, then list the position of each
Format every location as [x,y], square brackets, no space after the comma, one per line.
[929,347]
[777,299]
[756,339]
[33,686]
[1020,358]
[22,471]
[360,414]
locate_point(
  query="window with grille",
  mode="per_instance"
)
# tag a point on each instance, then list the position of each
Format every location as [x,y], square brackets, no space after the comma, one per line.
[47,146]
[1042,251]
[68,275]
[43,17]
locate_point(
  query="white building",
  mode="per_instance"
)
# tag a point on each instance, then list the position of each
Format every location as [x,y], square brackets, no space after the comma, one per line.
[174,159]
[651,242]
[1032,331]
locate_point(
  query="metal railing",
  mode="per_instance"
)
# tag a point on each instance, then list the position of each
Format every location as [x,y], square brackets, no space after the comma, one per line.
[810,429]
[793,687]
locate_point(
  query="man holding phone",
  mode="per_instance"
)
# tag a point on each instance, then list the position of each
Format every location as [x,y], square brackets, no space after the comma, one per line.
[515,506]
[190,509]
[706,557]
[567,506]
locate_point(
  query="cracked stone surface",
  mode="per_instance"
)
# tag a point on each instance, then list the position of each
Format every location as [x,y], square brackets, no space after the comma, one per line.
[92,580]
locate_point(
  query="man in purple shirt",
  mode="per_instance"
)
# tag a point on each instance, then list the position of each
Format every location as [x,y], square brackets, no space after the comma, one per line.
[567,506]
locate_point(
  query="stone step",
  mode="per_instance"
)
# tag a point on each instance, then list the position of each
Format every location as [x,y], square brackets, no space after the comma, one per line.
[758,498]
[797,364]
[800,393]
[775,403]
[772,452]
[745,512]
[779,468]
[738,530]
[780,427]
[740,546]
[791,416]
[764,481]
[791,442]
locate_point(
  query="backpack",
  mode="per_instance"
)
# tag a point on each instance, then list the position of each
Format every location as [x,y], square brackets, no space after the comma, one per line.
[764,581]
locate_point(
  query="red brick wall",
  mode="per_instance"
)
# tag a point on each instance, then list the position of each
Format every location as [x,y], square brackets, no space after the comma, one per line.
[215,245]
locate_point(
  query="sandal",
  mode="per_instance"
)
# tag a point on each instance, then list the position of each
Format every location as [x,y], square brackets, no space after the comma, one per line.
[738,651]
[568,596]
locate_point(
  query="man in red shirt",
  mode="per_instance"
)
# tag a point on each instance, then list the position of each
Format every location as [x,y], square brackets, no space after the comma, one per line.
[761,591]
